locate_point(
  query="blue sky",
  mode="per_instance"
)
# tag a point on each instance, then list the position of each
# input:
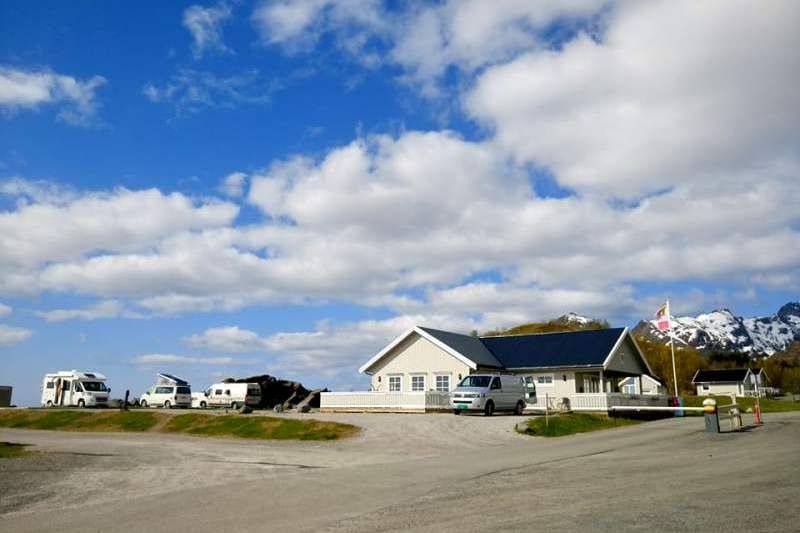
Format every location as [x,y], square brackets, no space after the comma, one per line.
[231,188]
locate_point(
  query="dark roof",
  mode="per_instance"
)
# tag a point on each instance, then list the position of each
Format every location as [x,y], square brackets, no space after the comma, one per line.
[720,375]
[569,348]
[470,347]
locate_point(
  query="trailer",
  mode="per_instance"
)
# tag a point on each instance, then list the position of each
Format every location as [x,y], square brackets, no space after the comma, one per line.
[74,388]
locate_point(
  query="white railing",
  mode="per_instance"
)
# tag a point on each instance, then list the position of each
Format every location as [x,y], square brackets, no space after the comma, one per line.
[371,400]
[596,401]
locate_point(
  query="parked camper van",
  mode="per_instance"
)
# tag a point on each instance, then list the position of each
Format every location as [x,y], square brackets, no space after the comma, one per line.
[75,388]
[169,391]
[233,395]
[489,393]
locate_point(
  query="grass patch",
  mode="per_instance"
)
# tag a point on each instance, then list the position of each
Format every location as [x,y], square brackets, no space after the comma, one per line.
[78,420]
[767,405]
[242,426]
[258,427]
[571,423]
[9,450]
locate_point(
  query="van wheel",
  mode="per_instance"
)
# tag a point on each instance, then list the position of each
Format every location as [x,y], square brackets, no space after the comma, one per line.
[202,405]
[48,404]
[143,404]
[167,405]
[456,412]
[234,405]
[488,409]
[81,404]
[519,408]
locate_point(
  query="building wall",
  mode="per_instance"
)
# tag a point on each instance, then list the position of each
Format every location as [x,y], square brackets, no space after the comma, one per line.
[563,384]
[417,355]
[720,389]
[626,359]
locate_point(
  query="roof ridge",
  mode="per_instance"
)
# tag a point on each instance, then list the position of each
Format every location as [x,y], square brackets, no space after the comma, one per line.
[549,333]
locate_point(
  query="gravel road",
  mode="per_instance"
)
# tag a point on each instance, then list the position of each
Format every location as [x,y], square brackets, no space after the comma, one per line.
[417,472]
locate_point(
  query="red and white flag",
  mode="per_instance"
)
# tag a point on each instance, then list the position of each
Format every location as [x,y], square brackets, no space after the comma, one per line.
[662,317]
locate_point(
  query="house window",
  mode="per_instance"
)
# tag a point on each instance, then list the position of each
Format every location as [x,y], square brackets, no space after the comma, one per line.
[546,380]
[394,384]
[417,383]
[443,383]
[705,386]
[629,388]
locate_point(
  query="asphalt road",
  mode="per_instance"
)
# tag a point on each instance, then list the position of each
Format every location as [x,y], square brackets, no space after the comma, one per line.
[424,473]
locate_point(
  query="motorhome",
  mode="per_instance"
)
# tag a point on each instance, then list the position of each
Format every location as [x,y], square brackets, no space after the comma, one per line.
[233,395]
[169,391]
[75,388]
[489,393]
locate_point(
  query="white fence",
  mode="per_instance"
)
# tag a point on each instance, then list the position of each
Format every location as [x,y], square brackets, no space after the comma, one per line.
[384,401]
[595,401]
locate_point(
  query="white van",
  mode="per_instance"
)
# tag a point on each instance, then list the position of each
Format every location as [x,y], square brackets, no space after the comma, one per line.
[75,388]
[169,391]
[233,395]
[489,393]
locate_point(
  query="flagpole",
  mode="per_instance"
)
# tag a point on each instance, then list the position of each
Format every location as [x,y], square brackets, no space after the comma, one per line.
[672,349]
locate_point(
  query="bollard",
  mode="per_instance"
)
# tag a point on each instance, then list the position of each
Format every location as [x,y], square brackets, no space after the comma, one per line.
[757,412]
[711,415]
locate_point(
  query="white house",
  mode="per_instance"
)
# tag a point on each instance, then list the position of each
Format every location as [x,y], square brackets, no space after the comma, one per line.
[726,381]
[647,385]
[580,370]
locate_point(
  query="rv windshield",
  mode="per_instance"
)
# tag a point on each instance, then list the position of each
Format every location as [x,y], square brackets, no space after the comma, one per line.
[475,381]
[94,386]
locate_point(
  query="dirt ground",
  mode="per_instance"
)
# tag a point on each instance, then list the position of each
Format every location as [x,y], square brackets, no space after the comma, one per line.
[411,472]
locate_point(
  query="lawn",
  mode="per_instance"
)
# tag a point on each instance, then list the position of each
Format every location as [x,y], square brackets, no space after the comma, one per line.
[767,406]
[571,423]
[78,420]
[242,426]
[9,450]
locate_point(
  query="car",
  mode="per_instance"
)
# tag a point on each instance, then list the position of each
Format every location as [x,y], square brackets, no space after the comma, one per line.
[489,393]
[233,395]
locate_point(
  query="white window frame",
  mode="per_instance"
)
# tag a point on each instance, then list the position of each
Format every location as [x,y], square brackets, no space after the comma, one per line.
[436,381]
[399,377]
[540,377]
[411,382]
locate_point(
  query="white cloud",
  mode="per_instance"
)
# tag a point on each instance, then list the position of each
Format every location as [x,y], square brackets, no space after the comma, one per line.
[117,221]
[5,310]
[424,40]
[229,339]
[100,310]
[205,25]
[233,184]
[673,93]
[11,335]
[190,91]
[300,25]
[30,89]
[171,359]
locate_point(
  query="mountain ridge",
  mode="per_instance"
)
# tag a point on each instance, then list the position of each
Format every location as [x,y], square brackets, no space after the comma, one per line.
[722,331]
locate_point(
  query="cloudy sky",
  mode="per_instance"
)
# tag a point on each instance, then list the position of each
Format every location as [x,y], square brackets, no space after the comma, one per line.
[233,188]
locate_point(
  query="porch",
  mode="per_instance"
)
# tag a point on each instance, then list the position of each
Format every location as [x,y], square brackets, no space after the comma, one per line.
[596,402]
[384,402]
[434,401]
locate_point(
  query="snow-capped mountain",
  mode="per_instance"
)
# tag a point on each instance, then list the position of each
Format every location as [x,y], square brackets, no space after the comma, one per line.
[722,331]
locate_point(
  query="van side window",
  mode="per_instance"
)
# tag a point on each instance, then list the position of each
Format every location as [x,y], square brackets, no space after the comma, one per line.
[218,392]
[50,384]
[495,384]
[228,392]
